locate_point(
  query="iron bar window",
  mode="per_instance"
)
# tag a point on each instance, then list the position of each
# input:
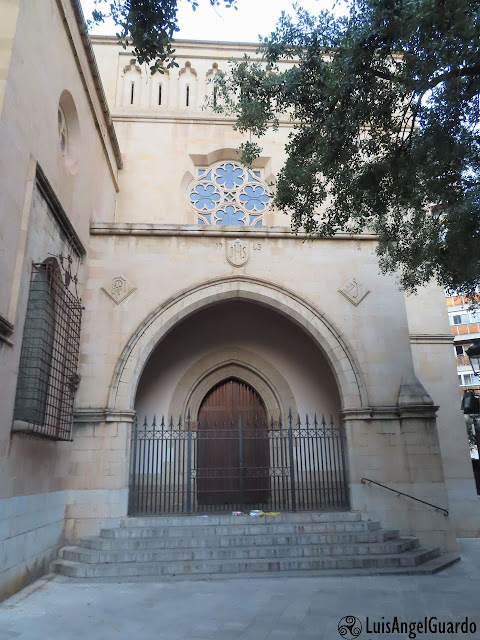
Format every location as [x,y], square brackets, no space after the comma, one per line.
[48,379]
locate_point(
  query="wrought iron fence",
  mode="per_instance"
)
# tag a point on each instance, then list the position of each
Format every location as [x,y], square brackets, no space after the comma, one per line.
[237,465]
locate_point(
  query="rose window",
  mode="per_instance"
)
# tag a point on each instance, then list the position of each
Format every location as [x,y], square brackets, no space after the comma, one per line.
[228,194]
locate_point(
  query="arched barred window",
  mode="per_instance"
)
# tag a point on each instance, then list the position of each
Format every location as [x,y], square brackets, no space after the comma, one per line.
[228,194]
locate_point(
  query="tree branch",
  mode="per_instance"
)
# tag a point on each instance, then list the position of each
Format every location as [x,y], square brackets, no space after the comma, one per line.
[455,73]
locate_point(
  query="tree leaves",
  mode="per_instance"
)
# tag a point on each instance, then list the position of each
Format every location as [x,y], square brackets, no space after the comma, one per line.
[385,108]
[147,25]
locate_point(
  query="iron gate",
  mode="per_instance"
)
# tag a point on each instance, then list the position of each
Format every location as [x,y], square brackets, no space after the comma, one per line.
[269,466]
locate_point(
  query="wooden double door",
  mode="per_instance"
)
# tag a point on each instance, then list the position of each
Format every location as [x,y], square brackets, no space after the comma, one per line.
[232,447]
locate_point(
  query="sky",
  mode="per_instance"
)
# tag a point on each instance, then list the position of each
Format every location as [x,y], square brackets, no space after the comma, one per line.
[251,19]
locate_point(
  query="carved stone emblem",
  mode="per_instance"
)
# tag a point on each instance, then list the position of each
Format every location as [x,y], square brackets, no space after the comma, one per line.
[120,289]
[354,291]
[237,252]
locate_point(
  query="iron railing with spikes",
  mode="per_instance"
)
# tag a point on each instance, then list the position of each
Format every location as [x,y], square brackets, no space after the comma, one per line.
[236,464]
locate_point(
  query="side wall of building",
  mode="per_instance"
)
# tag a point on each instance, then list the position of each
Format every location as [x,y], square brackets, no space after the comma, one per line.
[47,62]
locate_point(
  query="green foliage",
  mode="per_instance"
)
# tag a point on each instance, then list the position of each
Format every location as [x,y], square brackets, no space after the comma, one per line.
[385,106]
[146,25]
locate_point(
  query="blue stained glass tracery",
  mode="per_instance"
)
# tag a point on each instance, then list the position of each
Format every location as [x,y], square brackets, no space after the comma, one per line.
[228,194]
[229,176]
[205,197]
[230,215]
[254,198]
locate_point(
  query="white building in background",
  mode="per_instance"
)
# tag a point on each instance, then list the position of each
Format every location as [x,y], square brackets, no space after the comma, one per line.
[465,328]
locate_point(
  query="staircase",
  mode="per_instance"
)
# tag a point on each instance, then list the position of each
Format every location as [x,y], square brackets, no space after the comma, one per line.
[335,543]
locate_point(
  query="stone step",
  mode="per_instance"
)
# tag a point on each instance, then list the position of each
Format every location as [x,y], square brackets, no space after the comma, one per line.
[225,519]
[405,560]
[430,567]
[239,529]
[81,554]
[259,539]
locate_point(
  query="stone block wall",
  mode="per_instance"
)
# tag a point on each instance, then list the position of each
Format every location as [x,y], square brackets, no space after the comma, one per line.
[404,455]
[42,59]
[31,530]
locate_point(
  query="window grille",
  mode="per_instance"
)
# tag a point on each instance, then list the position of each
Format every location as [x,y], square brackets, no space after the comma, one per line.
[48,379]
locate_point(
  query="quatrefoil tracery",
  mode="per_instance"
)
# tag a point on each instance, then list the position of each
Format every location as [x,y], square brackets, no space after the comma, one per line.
[228,194]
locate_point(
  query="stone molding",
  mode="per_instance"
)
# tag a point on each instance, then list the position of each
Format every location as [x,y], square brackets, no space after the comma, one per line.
[431,338]
[139,347]
[224,154]
[413,402]
[417,411]
[101,414]
[189,49]
[395,412]
[89,415]
[232,363]
[215,231]
[145,115]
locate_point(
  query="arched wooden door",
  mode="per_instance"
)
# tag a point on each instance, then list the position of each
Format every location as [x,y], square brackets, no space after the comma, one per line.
[232,447]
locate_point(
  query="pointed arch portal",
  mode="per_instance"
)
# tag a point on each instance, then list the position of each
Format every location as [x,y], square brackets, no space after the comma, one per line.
[232,455]
[166,316]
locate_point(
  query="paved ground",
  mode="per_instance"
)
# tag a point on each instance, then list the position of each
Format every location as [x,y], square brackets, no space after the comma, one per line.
[244,609]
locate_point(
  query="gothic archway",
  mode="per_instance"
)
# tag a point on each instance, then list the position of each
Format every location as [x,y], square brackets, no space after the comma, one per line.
[325,335]
[243,364]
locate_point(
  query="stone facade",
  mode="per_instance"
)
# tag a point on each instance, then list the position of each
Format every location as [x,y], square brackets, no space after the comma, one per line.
[43,59]
[172,308]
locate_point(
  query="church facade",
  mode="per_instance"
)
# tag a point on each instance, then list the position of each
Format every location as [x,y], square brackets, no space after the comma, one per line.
[151,300]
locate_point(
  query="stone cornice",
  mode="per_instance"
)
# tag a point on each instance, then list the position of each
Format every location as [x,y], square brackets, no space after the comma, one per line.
[394,412]
[431,338]
[104,414]
[175,117]
[201,230]
[101,414]
[417,411]
[193,49]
